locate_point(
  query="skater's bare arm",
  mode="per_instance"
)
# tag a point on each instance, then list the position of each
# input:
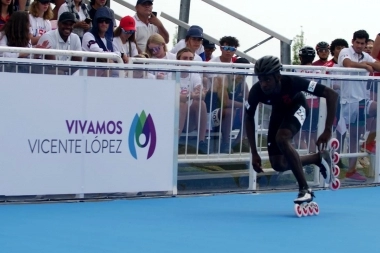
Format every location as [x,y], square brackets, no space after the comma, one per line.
[331,97]
[249,119]
[251,133]
[250,128]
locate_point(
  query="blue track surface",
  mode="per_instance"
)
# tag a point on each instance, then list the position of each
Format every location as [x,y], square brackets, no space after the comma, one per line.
[348,222]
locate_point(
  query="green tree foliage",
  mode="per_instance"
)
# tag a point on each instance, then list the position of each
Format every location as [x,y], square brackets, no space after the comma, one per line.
[175,36]
[298,43]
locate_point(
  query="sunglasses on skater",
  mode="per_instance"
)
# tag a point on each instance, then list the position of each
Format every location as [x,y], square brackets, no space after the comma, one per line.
[324,50]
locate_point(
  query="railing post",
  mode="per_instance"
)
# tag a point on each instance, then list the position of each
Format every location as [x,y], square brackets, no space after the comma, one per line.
[176,134]
[285,53]
[252,183]
[184,13]
[377,159]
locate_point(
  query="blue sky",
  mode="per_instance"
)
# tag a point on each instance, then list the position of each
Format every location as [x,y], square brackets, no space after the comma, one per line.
[321,20]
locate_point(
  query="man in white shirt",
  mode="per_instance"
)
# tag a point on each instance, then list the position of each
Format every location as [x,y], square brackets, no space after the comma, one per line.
[147,24]
[228,46]
[63,39]
[354,99]
[193,40]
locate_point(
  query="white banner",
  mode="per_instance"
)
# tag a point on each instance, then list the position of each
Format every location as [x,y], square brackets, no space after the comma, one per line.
[70,135]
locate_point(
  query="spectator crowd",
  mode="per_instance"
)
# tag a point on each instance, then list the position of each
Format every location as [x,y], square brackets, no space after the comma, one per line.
[208,102]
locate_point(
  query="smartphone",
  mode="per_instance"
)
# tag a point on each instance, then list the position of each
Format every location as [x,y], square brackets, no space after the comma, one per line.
[88,20]
[154,13]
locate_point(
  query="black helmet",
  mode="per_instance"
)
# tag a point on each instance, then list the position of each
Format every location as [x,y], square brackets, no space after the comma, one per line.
[267,65]
[242,60]
[322,45]
[307,51]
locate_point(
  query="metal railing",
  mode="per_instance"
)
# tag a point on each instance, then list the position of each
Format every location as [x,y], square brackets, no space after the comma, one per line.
[192,163]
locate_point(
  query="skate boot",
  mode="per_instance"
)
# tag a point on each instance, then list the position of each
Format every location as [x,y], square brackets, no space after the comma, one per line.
[304,204]
[304,196]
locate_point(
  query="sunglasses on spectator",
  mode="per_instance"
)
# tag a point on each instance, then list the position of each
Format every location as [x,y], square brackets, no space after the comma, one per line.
[127,32]
[104,20]
[155,50]
[228,48]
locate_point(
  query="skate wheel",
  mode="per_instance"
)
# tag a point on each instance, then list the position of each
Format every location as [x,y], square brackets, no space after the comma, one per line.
[315,208]
[311,209]
[305,209]
[336,170]
[335,184]
[333,144]
[335,157]
[297,210]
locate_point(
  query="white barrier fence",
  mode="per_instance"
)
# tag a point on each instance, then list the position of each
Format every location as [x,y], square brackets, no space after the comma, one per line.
[65,135]
[88,99]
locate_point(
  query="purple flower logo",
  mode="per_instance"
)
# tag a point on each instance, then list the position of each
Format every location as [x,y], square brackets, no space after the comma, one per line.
[142,125]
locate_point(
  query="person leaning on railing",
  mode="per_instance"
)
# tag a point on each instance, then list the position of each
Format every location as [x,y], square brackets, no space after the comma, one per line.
[99,38]
[356,104]
[124,40]
[16,34]
[156,48]
[375,53]
[62,39]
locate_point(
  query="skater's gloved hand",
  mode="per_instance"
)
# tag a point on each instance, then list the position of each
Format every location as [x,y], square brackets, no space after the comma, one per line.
[323,139]
[256,163]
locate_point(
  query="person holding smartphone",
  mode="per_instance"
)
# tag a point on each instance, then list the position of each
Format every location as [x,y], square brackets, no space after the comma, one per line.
[147,24]
[82,17]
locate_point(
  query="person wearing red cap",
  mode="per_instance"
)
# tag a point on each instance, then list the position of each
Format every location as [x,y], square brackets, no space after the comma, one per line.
[124,40]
